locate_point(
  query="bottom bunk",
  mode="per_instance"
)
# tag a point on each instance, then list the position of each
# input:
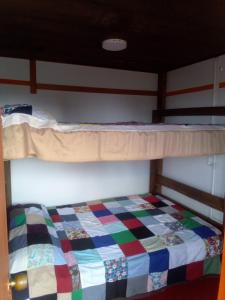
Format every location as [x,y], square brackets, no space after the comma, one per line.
[109,248]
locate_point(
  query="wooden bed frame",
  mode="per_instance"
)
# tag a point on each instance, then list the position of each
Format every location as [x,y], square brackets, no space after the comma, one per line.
[156,182]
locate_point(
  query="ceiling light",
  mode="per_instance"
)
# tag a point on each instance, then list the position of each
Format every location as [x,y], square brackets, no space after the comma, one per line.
[114,44]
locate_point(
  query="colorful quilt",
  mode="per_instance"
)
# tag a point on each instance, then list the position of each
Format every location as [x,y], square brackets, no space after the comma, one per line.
[110,248]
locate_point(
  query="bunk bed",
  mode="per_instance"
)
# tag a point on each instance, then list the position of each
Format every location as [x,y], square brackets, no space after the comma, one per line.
[140,252]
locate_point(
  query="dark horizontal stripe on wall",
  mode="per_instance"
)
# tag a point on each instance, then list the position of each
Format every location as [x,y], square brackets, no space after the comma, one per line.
[15,82]
[86,89]
[81,89]
[190,90]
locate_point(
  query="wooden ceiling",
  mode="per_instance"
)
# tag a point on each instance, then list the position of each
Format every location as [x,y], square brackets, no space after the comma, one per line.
[161,34]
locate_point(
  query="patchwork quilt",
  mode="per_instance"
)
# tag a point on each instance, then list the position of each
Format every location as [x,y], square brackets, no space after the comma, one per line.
[110,248]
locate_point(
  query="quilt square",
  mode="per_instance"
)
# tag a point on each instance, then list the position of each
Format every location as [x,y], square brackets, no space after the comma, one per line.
[56,218]
[157,280]
[160,204]
[118,210]
[141,232]
[115,227]
[141,213]
[123,237]
[76,233]
[176,275]
[62,235]
[77,294]
[138,265]
[214,246]
[107,253]
[37,228]
[20,230]
[82,209]
[116,269]
[97,230]
[204,232]
[152,199]
[40,255]
[96,292]
[126,202]
[18,243]
[102,213]
[124,216]
[92,274]
[52,211]
[132,223]
[159,261]
[194,270]
[35,219]
[155,212]
[153,244]
[20,219]
[137,285]
[108,219]
[189,223]
[63,211]
[103,241]
[212,265]
[87,256]
[46,283]
[63,278]
[116,289]
[96,207]
[159,229]
[38,238]
[148,220]
[165,218]
[168,210]
[69,218]
[112,204]
[178,256]
[66,245]
[82,244]
[132,248]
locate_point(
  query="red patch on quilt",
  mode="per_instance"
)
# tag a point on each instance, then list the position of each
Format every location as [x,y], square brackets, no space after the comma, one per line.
[132,223]
[95,207]
[66,246]
[56,218]
[132,248]
[63,278]
[194,270]
[152,199]
[178,207]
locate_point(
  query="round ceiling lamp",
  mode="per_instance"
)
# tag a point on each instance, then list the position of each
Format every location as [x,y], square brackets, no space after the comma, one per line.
[114,44]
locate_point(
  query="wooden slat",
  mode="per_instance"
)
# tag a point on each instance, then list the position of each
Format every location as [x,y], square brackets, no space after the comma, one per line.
[5,293]
[33,78]
[192,111]
[194,193]
[86,89]
[218,225]
[190,90]
[156,166]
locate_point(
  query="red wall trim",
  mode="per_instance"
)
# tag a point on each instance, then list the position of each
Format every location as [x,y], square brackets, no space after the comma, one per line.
[82,89]
[190,90]
[15,81]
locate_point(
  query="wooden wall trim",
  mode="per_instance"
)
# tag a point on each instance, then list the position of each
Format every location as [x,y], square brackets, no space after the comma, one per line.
[192,111]
[33,77]
[156,166]
[190,90]
[194,193]
[73,88]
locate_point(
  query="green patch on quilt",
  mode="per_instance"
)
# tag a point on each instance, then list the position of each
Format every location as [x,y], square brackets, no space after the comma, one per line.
[20,219]
[212,265]
[77,295]
[49,222]
[108,200]
[123,237]
[187,214]
[140,213]
[190,223]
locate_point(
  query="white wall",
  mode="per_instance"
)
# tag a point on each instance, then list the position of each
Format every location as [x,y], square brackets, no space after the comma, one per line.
[205,173]
[58,183]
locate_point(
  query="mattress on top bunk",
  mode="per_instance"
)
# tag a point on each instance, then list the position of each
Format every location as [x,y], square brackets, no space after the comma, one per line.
[28,136]
[111,248]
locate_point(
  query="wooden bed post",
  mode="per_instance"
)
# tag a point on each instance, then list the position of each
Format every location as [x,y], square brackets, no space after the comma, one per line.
[157,164]
[5,292]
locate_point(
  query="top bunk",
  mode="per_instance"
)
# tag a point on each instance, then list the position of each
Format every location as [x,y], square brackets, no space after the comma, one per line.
[29,136]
